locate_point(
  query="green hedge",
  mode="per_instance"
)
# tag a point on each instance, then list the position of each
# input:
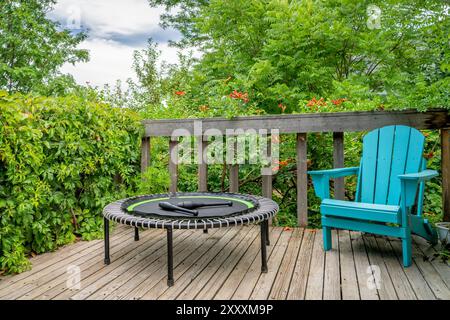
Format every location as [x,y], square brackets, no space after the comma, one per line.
[61,161]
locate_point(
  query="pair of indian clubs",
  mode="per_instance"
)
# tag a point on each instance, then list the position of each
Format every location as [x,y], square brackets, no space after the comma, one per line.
[190,206]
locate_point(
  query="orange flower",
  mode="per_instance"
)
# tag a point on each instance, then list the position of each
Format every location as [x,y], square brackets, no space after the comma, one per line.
[239,95]
[429,155]
[284,163]
[180,93]
[203,108]
[338,102]
[281,164]
[316,103]
[282,107]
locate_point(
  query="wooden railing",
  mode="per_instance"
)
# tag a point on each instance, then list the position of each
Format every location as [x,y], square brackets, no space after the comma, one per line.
[300,124]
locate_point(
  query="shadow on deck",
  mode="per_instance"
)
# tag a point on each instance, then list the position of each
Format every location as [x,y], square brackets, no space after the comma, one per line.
[225,264]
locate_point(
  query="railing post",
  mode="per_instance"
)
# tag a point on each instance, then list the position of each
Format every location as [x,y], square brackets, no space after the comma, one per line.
[338,162]
[267,178]
[234,178]
[234,169]
[202,144]
[302,180]
[145,154]
[445,166]
[173,164]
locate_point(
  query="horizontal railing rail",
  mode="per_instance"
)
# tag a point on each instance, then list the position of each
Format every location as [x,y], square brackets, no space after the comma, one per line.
[299,124]
[304,123]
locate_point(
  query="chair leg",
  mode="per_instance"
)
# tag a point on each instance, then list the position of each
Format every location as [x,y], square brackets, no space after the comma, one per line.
[407,251]
[326,238]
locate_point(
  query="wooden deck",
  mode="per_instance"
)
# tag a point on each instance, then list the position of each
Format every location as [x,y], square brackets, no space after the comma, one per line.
[225,264]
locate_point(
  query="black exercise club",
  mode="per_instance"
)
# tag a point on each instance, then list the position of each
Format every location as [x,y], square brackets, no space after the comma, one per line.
[171,207]
[195,205]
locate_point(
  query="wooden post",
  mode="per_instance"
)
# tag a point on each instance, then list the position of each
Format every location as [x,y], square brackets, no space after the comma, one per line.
[234,169]
[173,164]
[202,144]
[267,178]
[145,154]
[302,180]
[445,165]
[234,178]
[338,160]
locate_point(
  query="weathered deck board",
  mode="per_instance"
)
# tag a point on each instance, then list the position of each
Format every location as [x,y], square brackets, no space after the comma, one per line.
[382,279]
[363,268]
[251,279]
[314,289]
[399,279]
[205,270]
[230,286]
[225,264]
[418,283]
[223,273]
[331,283]
[349,282]
[266,280]
[283,278]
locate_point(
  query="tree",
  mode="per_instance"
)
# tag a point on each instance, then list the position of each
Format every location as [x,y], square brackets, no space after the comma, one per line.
[287,52]
[183,19]
[33,47]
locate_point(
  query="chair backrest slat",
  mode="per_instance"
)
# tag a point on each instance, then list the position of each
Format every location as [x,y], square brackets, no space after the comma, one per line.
[387,153]
[369,166]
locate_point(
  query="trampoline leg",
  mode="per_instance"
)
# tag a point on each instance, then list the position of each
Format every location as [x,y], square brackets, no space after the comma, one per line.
[263,248]
[267,232]
[106,230]
[136,234]
[205,230]
[170,280]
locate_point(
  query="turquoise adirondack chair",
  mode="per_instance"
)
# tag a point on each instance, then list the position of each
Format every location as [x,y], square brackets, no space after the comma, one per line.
[389,194]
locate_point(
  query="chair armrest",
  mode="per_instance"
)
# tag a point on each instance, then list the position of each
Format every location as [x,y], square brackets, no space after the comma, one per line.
[321,179]
[336,173]
[409,183]
[419,176]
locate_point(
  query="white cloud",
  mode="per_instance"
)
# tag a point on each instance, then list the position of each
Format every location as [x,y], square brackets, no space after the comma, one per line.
[106,17]
[110,61]
[116,29]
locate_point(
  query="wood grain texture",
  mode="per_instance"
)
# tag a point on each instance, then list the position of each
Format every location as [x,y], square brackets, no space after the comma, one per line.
[145,154]
[331,283]
[363,267]
[445,156]
[202,146]
[302,180]
[349,281]
[225,264]
[302,123]
[173,165]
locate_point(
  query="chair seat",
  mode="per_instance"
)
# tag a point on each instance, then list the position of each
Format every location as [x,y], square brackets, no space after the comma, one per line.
[360,211]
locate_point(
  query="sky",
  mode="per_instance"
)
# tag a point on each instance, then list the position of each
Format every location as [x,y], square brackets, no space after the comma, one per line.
[115,28]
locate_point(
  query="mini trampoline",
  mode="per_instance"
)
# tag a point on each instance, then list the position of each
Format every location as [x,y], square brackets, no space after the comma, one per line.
[196,210]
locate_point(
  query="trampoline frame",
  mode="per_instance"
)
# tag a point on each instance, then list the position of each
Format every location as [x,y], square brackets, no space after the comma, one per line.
[116,212]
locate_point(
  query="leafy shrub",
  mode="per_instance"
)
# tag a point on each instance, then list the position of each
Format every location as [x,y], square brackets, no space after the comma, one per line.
[61,161]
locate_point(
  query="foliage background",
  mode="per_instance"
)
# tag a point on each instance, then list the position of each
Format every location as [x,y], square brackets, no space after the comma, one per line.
[279,56]
[61,161]
[67,150]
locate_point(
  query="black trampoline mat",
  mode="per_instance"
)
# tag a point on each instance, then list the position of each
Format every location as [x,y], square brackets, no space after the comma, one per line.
[148,206]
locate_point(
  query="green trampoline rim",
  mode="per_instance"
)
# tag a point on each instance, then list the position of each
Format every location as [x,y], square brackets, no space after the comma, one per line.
[247,203]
